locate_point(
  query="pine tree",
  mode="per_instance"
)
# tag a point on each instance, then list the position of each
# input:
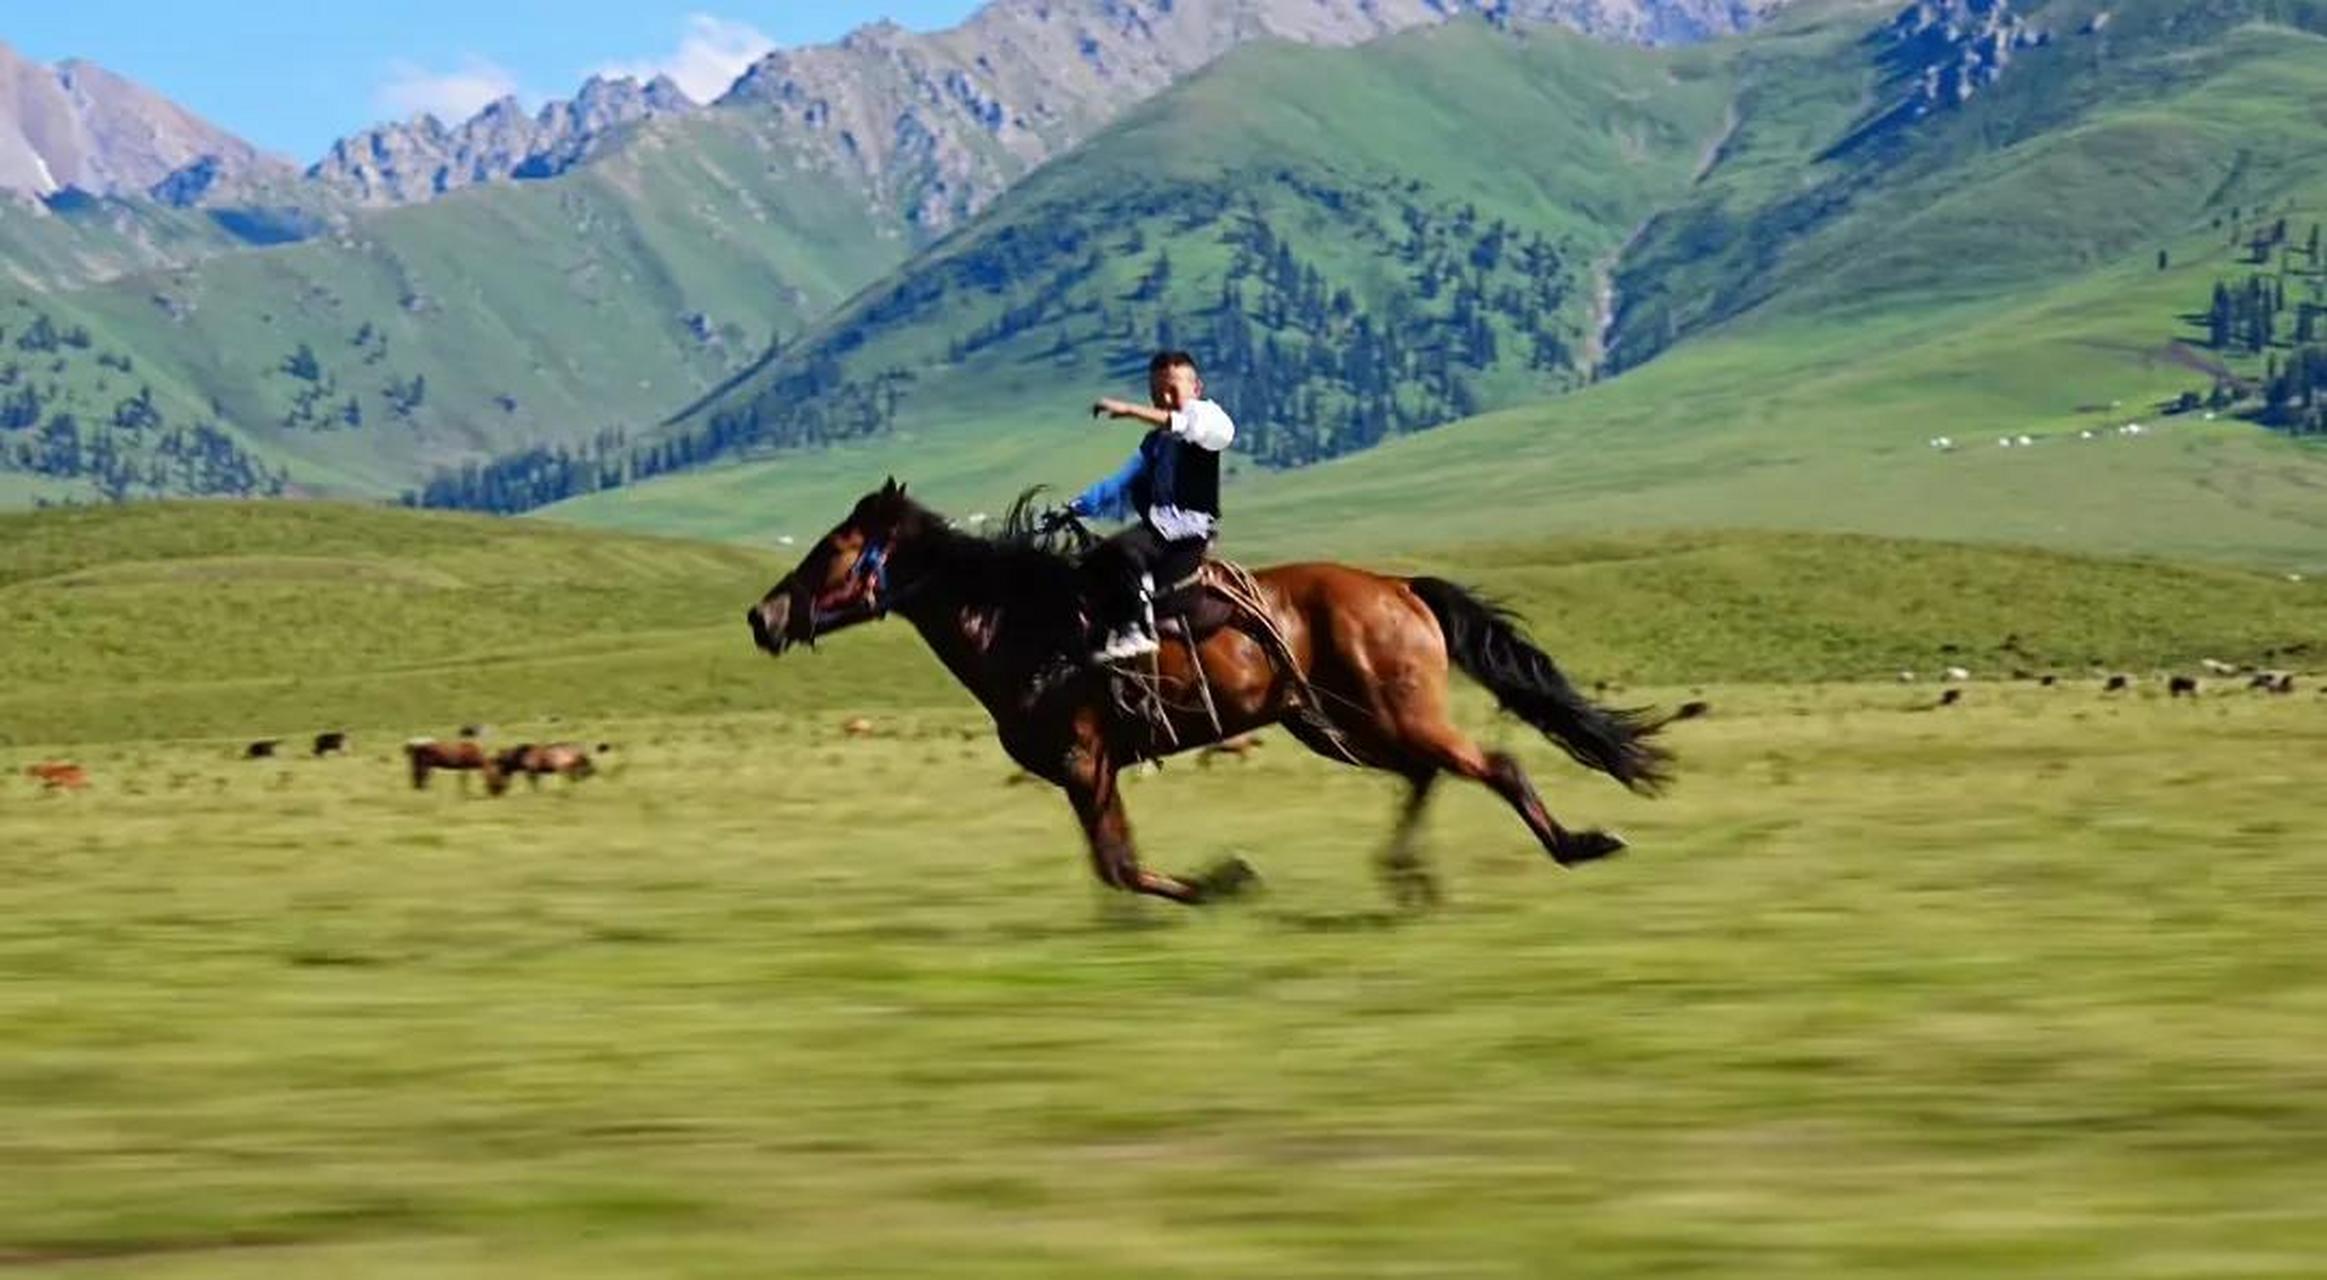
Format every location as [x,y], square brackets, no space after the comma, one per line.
[303,365]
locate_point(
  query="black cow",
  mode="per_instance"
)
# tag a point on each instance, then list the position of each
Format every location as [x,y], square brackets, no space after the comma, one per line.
[2182,687]
[263,749]
[331,743]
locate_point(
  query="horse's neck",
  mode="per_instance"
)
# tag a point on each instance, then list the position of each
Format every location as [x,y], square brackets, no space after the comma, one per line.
[961,633]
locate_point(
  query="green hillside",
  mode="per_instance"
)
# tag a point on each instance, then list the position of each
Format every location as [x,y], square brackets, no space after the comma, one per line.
[239,620]
[1985,273]
[548,311]
[1364,242]
[2088,148]
[82,239]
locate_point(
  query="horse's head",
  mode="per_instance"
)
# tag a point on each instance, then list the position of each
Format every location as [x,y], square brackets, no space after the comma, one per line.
[852,574]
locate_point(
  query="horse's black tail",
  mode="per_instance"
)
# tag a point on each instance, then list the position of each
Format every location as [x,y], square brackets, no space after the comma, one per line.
[1490,643]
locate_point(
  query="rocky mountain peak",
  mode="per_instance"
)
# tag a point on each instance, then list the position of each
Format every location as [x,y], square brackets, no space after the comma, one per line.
[917,118]
[423,158]
[78,126]
[1952,49]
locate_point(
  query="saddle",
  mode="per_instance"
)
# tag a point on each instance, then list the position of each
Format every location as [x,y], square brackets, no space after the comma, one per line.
[1218,595]
[1198,606]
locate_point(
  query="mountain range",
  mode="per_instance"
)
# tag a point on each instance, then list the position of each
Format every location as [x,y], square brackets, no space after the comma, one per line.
[1376,219]
[565,273]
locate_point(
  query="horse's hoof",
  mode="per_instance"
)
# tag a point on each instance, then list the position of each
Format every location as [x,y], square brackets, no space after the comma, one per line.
[1589,846]
[1228,878]
[1413,889]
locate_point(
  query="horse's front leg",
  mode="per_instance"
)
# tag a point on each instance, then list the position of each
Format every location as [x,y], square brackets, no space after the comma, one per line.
[1091,786]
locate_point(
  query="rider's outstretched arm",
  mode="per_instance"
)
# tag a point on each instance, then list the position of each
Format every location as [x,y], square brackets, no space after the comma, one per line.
[1149,414]
[1110,499]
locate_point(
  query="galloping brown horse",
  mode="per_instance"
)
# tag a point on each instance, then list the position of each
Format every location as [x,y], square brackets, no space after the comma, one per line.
[1004,616]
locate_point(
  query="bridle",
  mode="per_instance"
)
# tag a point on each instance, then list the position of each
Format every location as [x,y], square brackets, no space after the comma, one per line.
[868,578]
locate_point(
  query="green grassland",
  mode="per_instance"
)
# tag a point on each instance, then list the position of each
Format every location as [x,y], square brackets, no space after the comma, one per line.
[2029,989]
[2022,986]
[231,621]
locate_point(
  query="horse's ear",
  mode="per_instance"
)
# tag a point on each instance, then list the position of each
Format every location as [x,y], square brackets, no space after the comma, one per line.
[889,488]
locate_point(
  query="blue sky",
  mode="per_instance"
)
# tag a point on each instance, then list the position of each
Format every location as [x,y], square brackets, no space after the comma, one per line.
[291,75]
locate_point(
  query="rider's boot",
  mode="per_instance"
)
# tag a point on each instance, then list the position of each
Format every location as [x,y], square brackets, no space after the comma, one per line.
[1136,638]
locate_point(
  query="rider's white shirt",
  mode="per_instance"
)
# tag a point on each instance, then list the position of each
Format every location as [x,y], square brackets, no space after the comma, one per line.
[1206,425]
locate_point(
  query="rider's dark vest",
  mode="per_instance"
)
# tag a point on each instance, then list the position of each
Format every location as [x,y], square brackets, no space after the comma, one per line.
[1178,474]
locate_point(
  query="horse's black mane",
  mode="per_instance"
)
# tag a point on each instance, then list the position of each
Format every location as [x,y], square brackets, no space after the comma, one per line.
[1022,569]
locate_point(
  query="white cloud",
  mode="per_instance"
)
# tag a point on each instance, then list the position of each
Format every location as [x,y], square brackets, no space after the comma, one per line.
[712,52]
[450,96]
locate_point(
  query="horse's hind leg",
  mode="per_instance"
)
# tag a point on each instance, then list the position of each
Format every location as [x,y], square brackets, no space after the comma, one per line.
[1402,865]
[1448,748]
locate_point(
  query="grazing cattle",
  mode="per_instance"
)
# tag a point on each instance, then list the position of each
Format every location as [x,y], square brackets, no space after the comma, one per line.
[537,760]
[1239,747]
[59,775]
[1958,674]
[427,755]
[2117,684]
[2182,687]
[858,728]
[605,747]
[1906,677]
[1691,711]
[2048,681]
[2286,684]
[1951,697]
[2265,681]
[263,749]
[2217,667]
[472,731]
[331,743]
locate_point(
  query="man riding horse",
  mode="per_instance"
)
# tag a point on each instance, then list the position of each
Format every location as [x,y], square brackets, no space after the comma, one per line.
[1172,483]
[1352,664]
